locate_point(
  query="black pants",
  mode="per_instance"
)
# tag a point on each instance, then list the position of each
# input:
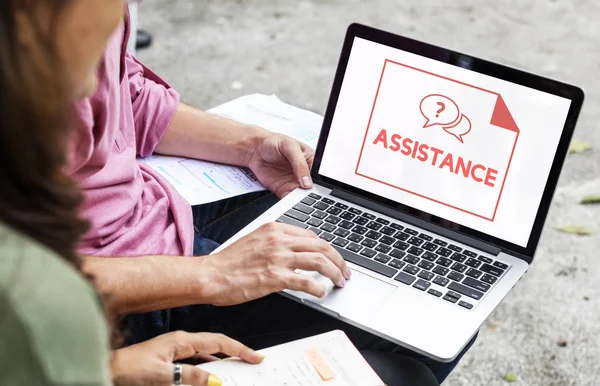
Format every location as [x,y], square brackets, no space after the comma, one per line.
[274,319]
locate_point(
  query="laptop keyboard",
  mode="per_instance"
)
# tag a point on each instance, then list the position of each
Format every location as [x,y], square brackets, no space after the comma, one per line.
[399,252]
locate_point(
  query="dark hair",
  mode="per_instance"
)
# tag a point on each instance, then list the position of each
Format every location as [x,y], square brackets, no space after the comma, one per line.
[36,197]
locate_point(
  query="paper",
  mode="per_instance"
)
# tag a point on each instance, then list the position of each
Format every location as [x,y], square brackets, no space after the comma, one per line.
[328,359]
[201,182]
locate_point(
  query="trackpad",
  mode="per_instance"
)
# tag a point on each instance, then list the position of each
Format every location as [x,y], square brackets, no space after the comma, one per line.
[361,296]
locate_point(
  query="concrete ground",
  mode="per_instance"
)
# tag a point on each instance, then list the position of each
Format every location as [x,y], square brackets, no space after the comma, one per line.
[216,50]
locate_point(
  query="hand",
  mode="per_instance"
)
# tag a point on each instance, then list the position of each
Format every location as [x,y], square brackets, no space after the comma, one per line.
[151,363]
[282,164]
[264,262]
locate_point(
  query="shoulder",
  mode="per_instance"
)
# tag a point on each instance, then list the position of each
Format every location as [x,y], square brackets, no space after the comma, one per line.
[59,318]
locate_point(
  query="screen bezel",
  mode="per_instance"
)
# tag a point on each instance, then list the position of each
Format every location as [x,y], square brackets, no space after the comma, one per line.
[498,71]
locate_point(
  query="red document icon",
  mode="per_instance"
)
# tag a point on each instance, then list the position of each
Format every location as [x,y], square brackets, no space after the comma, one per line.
[439,139]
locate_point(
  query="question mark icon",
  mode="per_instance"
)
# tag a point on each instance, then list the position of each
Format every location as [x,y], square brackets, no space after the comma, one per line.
[442,108]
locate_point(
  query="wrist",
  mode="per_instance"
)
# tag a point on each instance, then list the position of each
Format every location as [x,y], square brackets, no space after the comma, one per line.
[255,135]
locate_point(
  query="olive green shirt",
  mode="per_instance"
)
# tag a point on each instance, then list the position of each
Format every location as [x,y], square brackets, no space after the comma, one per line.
[52,329]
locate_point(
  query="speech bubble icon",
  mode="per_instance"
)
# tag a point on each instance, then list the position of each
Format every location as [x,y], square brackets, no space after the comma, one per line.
[439,110]
[460,129]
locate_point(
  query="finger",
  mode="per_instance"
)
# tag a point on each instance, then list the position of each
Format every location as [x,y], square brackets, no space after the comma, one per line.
[193,376]
[323,247]
[217,343]
[317,262]
[293,152]
[304,283]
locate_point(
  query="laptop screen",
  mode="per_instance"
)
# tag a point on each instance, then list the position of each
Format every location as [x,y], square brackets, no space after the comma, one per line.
[457,144]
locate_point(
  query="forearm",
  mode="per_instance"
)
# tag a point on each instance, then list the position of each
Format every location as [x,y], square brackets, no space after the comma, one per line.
[195,133]
[150,283]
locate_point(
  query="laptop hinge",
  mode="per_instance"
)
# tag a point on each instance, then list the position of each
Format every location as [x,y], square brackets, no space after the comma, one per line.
[453,235]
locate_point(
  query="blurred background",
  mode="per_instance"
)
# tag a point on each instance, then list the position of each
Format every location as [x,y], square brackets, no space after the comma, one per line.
[547,332]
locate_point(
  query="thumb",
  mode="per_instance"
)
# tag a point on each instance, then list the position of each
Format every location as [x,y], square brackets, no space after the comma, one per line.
[194,376]
[295,156]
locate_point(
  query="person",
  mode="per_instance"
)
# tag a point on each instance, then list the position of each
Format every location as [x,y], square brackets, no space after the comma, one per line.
[143,233]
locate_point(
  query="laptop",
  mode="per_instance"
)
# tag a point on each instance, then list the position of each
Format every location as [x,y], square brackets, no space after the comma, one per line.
[433,176]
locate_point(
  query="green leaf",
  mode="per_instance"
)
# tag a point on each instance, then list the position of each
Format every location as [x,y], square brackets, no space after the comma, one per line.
[509,377]
[577,230]
[592,199]
[578,146]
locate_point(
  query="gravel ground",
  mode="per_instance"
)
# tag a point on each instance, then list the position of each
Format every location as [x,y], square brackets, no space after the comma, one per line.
[213,51]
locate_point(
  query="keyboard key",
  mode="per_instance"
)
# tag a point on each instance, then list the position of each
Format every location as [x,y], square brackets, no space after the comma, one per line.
[411,231]
[373,235]
[315,196]
[387,240]
[328,227]
[366,263]
[341,232]
[426,275]
[333,219]
[341,242]
[458,257]
[398,254]
[360,230]
[471,262]
[333,210]
[426,265]
[469,253]
[321,205]
[346,224]
[444,252]
[455,248]
[383,258]
[411,259]
[369,243]
[474,273]
[354,247]
[441,281]
[440,242]
[450,299]
[369,216]
[415,251]
[459,267]
[308,201]
[445,262]
[429,246]
[401,245]
[303,208]
[320,215]
[485,259]
[383,221]
[500,265]
[405,278]
[316,230]
[360,221]
[483,287]
[466,305]
[347,216]
[415,241]
[491,269]
[368,252]
[401,236]
[328,201]
[355,238]
[388,231]
[315,222]
[374,225]
[289,221]
[489,279]
[383,248]
[422,285]
[435,293]
[429,256]
[411,269]
[425,237]
[341,206]
[354,211]
[453,294]
[396,226]
[396,263]
[441,270]
[297,215]
[327,236]
[456,276]
[467,291]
